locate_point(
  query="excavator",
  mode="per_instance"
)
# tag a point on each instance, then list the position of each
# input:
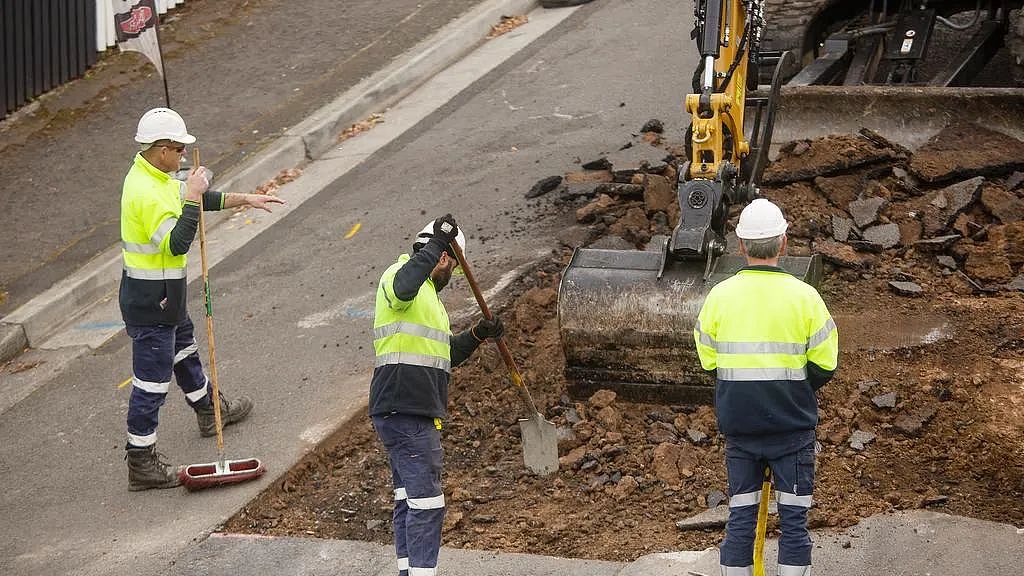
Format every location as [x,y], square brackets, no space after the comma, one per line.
[626,317]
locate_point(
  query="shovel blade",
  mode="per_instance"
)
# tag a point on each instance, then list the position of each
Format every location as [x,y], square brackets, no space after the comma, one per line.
[540,445]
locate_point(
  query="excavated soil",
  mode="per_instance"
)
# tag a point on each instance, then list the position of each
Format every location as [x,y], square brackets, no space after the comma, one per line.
[927,409]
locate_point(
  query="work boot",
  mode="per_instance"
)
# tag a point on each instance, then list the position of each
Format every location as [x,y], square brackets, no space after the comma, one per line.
[147,469]
[230,413]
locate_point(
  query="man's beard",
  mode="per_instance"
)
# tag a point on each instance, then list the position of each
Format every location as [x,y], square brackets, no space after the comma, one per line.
[441,281]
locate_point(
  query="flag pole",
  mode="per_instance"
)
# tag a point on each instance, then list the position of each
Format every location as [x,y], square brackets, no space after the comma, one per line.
[160,48]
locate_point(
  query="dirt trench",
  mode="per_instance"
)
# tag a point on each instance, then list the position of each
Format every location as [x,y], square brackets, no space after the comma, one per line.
[923,270]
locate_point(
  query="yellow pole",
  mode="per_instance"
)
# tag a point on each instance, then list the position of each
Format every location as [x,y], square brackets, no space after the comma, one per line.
[762,523]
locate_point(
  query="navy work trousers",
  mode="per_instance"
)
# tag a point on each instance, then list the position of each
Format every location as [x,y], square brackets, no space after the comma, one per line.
[157,353]
[414,449]
[791,459]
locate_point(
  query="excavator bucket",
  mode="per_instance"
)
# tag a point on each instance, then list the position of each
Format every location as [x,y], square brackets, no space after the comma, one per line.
[626,319]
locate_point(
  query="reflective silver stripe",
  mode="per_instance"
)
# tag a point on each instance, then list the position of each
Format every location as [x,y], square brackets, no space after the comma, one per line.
[705,339]
[761,348]
[789,499]
[186,352]
[737,570]
[821,335]
[403,564]
[414,360]
[400,494]
[151,387]
[142,441]
[162,230]
[157,274]
[140,248]
[745,499]
[754,374]
[410,329]
[197,395]
[786,570]
[431,503]
[422,571]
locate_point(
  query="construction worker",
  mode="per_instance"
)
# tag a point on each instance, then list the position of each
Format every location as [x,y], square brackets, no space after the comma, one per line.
[159,217]
[772,344]
[415,351]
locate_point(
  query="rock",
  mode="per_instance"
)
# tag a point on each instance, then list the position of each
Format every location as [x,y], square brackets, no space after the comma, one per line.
[865,212]
[573,458]
[937,244]
[653,125]
[620,190]
[681,423]
[1017,284]
[658,193]
[709,519]
[841,228]
[936,500]
[543,186]
[716,497]
[859,439]
[589,176]
[372,525]
[661,416]
[659,435]
[840,190]
[460,494]
[946,261]
[885,235]
[840,254]
[575,236]
[1014,180]
[672,463]
[573,191]
[800,147]
[865,246]
[943,206]
[452,520]
[865,385]
[887,400]
[598,207]
[906,288]
[963,150]
[625,487]
[633,226]
[609,418]
[910,423]
[602,398]
[601,163]
[636,158]
[1002,204]
[484,519]
[696,436]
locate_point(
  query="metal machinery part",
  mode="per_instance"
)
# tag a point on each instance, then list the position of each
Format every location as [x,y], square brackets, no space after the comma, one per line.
[626,317]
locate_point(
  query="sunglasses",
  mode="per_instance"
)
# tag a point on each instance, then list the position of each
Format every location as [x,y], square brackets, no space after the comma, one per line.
[180,148]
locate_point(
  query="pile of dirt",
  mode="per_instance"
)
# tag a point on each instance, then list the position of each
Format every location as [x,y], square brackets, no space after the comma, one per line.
[927,409]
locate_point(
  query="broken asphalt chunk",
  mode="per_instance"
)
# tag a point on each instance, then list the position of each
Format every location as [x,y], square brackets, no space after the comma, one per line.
[943,206]
[865,212]
[887,400]
[653,125]
[599,164]
[543,186]
[937,244]
[964,150]
[885,235]
[859,439]
[840,254]
[910,423]
[713,518]
[906,288]
[841,228]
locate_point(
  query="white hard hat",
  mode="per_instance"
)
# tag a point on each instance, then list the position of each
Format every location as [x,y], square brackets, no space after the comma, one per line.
[761,219]
[162,124]
[428,232]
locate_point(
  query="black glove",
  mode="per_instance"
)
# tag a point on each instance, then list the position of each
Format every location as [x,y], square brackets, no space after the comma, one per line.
[485,329]
[446,229]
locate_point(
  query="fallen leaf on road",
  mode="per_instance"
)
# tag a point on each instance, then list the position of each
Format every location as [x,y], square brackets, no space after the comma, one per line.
[360,127]
[507,24]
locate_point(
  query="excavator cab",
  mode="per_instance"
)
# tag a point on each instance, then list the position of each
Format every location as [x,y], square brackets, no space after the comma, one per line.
[626,317]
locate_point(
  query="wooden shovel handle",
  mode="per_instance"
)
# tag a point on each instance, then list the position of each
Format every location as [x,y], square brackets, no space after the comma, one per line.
[517,377]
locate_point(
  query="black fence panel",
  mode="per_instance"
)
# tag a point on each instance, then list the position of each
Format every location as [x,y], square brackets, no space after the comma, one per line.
[43,43]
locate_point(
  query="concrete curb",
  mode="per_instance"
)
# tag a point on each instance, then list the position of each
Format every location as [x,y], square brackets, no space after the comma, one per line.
[34,321]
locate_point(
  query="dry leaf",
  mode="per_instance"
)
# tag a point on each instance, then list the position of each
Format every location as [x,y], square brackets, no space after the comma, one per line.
[507,24]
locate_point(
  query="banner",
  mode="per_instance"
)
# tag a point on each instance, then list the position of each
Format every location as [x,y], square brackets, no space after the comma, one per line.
[135,25]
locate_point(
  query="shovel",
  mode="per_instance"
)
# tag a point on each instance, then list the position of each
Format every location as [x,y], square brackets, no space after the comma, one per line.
[223,471]
[762,523]
[540,438]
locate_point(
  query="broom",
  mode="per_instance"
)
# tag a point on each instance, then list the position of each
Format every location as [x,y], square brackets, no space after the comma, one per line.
[221,472]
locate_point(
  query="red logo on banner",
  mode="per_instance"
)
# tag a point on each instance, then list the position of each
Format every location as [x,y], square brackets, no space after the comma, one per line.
[137,22]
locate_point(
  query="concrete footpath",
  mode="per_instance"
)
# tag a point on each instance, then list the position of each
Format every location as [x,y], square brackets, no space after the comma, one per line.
[910,543]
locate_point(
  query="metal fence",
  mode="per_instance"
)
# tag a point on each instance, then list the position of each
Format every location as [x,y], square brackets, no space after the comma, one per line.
[45,43]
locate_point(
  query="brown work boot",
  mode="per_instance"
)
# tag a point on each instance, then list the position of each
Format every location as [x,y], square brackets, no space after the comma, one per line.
[146,469]
[230,413]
